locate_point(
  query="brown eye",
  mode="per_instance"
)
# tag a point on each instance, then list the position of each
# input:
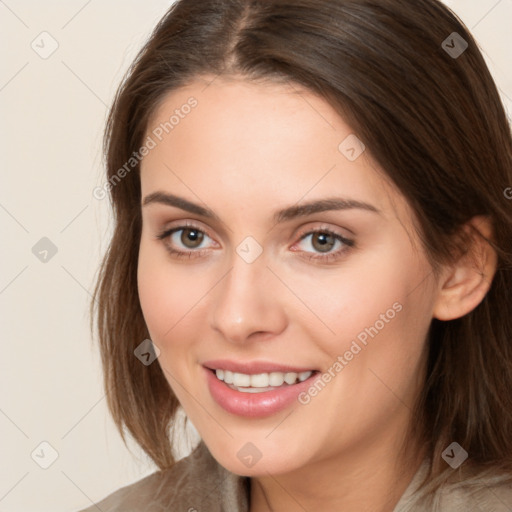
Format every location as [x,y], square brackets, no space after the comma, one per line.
[191,238]
[323,242]
[324,245]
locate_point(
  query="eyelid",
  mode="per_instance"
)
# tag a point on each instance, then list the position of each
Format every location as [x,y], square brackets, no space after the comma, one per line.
[165,234]
[323,228]
[303,233]
[184,224]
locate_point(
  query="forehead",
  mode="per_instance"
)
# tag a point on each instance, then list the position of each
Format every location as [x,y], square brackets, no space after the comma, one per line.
[256,143]
[275,118]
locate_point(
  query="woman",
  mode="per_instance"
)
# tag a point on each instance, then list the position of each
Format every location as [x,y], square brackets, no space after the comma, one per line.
[311,256]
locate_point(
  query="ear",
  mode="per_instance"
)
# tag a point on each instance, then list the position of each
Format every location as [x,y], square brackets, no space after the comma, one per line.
[464,284]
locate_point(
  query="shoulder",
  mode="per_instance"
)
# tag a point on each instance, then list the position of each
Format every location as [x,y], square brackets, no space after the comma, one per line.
[486,492]
[471,491]
[197,482]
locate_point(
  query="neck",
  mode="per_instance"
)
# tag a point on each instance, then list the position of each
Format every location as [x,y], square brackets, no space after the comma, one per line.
[370,478]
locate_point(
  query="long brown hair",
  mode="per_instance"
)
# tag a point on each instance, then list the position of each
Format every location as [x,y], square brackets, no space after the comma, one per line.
[430,117]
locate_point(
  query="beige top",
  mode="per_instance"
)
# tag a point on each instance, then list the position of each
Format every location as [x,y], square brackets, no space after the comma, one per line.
[198,483]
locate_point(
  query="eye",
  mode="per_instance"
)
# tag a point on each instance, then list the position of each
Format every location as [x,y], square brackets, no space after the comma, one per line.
[186,240]
[325,244]
[191,238]
[191,241]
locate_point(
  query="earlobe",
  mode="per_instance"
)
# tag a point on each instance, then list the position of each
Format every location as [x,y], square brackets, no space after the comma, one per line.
[465,283]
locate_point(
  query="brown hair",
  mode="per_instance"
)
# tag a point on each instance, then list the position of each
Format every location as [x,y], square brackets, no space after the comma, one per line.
[432,120]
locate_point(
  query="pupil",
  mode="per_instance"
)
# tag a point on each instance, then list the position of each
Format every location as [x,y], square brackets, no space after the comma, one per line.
[323,242]
[191,237]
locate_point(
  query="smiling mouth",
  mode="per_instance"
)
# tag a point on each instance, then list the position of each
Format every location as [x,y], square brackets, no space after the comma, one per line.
[261,382]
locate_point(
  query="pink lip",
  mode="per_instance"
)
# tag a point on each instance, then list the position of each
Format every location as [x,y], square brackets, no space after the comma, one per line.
[253,367]
[254,405]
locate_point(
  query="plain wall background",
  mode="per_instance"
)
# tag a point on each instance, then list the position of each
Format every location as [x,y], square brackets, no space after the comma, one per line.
[52,115]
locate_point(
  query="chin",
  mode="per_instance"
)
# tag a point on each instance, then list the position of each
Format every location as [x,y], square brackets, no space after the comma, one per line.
[254,459]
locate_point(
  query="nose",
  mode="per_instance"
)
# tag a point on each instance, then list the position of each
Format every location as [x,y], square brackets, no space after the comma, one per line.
[247,303]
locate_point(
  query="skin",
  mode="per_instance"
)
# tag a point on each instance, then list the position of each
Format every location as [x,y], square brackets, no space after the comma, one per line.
[244,152]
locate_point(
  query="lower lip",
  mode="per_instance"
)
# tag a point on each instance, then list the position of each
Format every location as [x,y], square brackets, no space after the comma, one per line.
[255,405]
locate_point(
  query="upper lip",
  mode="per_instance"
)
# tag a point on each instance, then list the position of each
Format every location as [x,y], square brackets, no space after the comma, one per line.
[253,367]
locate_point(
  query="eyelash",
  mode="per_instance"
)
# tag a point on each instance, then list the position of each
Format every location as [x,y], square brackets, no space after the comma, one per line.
[323,258]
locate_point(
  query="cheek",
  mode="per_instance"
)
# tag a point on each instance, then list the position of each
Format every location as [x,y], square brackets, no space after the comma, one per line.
[156,302]
[378,309]
[165,293]
[172,298]
[368,293]
[167,299]
[382,331]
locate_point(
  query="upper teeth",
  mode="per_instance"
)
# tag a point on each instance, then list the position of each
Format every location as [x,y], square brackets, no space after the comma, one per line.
[261,380]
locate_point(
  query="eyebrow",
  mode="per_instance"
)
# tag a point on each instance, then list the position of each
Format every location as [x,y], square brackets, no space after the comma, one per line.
[291,212]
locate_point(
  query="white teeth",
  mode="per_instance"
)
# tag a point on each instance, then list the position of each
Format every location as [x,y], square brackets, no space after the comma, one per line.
[241,380]
[290,378]
[304,375]
[259,381]
[276,379]
[254,390]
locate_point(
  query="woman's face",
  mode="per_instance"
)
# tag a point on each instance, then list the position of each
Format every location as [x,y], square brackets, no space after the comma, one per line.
[293,255]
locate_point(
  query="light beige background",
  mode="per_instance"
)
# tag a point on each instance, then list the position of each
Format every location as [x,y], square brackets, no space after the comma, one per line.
[52,115]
